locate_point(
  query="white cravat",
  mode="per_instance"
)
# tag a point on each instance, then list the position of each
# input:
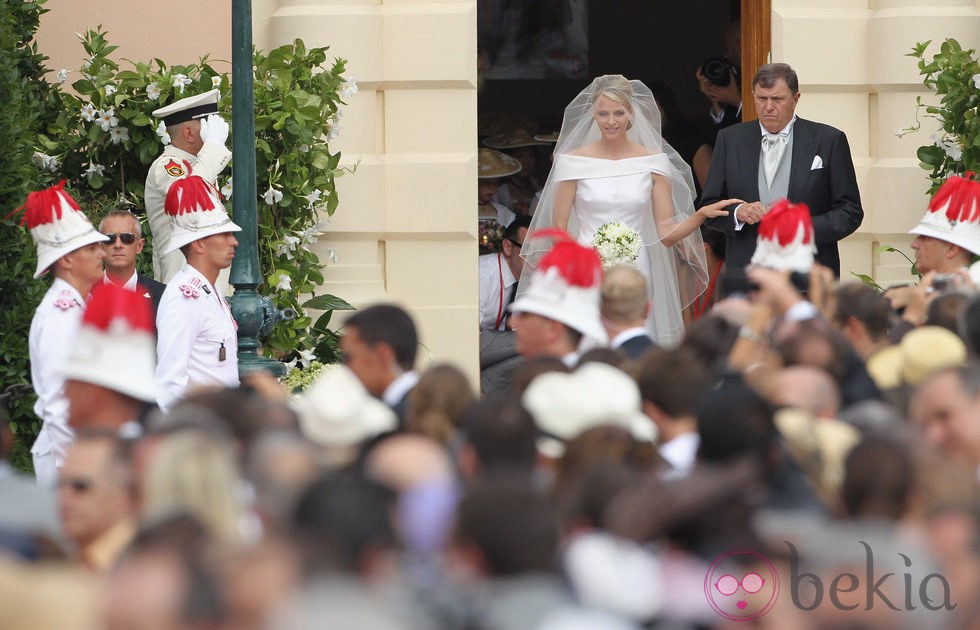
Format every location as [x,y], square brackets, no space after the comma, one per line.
[773,148]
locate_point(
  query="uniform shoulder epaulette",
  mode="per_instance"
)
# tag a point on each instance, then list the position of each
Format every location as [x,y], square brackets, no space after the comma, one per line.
[191,288]
[66,301]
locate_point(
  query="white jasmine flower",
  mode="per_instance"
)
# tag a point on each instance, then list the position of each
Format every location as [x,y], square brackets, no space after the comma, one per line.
[215,82]
[272,196]
[287,246]
[976,80]
[110,89]
[285,282]
[119,134]
[94,168]
[88,112]
[62,75]
[347,90]
[334,130]
[304,148]
[181,81]
[45,161]
[954,150]
[87,64]
[153,91]
[332,255]
[162,132]
[313,197]
[307,356]
[226,190]
[107,119]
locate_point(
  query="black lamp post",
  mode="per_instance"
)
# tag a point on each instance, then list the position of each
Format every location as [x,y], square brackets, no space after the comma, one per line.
[255,314]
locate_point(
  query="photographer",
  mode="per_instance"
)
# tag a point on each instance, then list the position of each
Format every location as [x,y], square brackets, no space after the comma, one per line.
[719,79]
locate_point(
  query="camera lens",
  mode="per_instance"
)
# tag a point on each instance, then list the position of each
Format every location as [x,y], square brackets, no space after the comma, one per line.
[717,70]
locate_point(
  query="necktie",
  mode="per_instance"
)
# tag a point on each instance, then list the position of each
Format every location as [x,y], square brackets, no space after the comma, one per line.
[505,314]
[773,147]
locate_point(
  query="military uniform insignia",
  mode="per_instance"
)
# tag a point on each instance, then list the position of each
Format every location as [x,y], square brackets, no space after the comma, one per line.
[174,169]
[190,288]
[65,301]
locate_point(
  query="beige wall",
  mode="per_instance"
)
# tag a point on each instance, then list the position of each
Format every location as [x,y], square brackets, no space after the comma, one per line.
[405,231]
[850,56]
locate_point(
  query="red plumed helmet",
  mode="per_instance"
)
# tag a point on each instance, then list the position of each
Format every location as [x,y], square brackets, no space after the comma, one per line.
[786,240]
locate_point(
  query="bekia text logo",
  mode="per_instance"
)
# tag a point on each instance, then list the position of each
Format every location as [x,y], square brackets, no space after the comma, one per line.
[741,595]
[743,585]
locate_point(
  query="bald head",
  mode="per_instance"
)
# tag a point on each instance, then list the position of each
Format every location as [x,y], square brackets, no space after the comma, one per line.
[809,388]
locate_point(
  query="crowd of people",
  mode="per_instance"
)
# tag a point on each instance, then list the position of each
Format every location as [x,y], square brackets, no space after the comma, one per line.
[804,453]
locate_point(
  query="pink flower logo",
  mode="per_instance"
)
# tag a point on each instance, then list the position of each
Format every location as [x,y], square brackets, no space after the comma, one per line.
[741,585]
[189,291]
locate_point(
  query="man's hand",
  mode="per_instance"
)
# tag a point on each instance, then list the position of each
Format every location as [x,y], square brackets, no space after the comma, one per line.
[214,129]
[750,213]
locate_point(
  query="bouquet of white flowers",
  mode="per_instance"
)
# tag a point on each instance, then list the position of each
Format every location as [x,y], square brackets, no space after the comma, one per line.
[617,244]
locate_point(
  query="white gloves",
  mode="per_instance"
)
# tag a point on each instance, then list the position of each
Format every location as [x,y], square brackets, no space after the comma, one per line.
[214,128]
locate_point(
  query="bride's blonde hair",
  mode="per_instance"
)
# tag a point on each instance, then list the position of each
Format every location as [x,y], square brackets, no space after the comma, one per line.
[616,87]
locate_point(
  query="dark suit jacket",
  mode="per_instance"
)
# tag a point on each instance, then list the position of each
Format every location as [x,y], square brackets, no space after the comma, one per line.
[147,284]
[635,346]
[831,192]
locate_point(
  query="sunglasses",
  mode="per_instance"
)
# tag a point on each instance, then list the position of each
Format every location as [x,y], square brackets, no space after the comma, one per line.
[76,484]
[517,244]
[128,238]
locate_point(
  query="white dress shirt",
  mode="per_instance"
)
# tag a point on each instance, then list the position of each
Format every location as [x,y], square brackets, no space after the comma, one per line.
[53,329]
[194,324]
[785,131]
[496,283]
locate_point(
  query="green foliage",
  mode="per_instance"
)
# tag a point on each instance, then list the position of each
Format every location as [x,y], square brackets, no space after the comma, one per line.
[954,74]
[27,104]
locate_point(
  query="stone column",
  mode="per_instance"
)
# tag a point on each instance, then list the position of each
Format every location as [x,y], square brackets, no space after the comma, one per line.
[405,230]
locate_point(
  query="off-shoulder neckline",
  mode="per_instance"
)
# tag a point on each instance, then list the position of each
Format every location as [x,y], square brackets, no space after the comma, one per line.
[635,157]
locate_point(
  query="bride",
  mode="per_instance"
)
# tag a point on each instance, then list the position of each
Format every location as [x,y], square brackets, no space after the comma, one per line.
[613,166]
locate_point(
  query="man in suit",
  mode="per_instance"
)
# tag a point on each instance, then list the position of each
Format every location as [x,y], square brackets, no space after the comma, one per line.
[379,346]
[624,310]
[782,156]
[125,243]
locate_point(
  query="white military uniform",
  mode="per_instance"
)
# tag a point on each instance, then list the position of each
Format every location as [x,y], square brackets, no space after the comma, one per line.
[165,170]
[197,338]
[53,330]
[496,284]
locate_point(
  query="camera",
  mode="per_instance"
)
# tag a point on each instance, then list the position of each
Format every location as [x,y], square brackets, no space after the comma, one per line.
[736,282]
[719,71]
[944,282]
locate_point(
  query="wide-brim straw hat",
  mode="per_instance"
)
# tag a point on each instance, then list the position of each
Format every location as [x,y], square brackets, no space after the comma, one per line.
[494,164]
[513,139]
[336,410]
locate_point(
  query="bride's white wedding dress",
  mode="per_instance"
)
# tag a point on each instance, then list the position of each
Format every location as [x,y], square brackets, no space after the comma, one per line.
[620,190]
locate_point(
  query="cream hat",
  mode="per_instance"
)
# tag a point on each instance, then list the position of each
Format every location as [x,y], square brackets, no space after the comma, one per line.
[195,213]
[336,410]
[566,286]
[116,345]
[954,214]
[786,240]
[564,405]
[189,108]
[921,352]
[494,164]
[512,140]
[57,225]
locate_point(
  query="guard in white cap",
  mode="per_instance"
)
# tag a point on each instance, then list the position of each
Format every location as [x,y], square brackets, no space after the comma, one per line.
[561,305]
[786,238]
[197,147]
[948,236]
[68,246]
[197,338]
[110,368]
